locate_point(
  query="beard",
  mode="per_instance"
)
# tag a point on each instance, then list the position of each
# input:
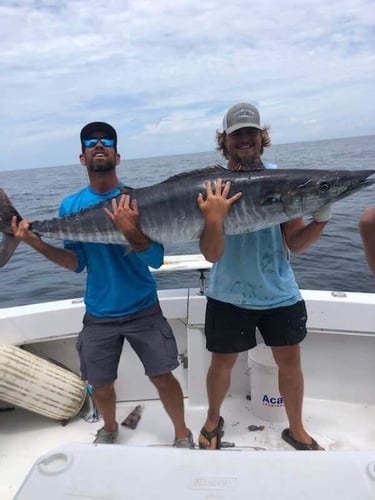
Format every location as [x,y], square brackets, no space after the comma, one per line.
[101,165]
[247,164]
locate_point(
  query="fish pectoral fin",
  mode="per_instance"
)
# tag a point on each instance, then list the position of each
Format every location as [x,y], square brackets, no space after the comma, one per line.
[7,246]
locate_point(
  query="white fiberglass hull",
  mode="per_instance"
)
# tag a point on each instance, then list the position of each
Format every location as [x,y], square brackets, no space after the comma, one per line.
[339,411]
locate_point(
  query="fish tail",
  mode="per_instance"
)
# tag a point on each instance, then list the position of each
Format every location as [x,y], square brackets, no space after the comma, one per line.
[8,243]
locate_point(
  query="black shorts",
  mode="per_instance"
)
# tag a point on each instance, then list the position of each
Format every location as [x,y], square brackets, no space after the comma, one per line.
[231,329]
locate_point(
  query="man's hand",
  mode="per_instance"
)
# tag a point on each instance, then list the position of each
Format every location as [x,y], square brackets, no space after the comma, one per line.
[215,208]
[22,232]
[217,204]
[125,216]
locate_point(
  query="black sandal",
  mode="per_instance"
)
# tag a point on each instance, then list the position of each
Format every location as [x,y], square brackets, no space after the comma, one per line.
[288,438]
[215,433]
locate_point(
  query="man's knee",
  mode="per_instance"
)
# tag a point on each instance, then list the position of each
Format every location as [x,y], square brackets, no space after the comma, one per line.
[162,381]
[223,362]
[287,358]
[103,390]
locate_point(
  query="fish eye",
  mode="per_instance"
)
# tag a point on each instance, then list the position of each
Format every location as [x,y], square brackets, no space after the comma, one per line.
[324,187]
[272,199]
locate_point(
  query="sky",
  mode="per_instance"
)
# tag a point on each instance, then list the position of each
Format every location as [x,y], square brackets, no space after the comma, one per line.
[163,73]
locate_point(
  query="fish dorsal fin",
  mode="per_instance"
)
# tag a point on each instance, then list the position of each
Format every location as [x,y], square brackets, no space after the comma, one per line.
[198,171]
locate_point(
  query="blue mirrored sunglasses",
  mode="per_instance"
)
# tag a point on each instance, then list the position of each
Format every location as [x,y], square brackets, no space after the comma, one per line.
[90,143]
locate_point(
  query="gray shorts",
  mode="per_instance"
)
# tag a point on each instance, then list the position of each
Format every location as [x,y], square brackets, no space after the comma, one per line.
[100,343]
[231,329]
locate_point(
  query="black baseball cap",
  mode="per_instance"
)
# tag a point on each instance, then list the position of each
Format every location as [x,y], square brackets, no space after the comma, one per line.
[90,128]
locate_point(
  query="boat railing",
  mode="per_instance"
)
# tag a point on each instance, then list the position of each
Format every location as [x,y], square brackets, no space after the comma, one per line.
[329,312]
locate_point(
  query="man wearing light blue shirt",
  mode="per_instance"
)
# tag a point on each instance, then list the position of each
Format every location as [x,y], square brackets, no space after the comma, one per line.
[252,284]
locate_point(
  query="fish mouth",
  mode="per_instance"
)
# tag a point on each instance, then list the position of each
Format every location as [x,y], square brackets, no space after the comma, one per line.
[360,180]
[367,182]
[363,178]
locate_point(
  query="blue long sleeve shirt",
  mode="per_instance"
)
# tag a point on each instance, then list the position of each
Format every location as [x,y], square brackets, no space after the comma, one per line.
[119,281]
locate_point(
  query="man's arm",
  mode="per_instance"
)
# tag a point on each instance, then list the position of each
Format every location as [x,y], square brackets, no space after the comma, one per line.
[367,232]
[300,236]
[214,209]
[125,216]
[60,256]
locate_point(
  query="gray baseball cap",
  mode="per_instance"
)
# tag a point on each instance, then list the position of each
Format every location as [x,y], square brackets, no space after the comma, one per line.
[241,115]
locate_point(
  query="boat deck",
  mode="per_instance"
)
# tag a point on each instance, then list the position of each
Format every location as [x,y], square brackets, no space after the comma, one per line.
[339,412]
[26,436]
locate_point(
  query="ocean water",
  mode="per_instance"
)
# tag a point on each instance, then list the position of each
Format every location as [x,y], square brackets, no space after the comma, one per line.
[335,262]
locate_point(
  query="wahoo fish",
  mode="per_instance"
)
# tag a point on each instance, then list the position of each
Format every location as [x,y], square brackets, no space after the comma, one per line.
[169,212]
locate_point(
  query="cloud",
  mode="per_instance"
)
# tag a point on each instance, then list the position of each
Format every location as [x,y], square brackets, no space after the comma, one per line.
[163,73]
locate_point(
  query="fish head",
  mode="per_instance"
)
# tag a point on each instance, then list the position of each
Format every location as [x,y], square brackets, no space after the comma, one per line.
[310,190]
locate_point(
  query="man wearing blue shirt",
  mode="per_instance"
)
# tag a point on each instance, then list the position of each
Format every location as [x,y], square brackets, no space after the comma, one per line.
[252,284]
[120,298]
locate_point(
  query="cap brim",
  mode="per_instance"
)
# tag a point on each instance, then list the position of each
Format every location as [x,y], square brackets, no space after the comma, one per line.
[229,130]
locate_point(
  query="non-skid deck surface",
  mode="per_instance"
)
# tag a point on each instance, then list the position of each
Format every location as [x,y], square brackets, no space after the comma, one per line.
[25,436]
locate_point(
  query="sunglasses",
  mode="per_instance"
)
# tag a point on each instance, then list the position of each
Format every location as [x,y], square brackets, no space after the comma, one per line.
[90,143]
